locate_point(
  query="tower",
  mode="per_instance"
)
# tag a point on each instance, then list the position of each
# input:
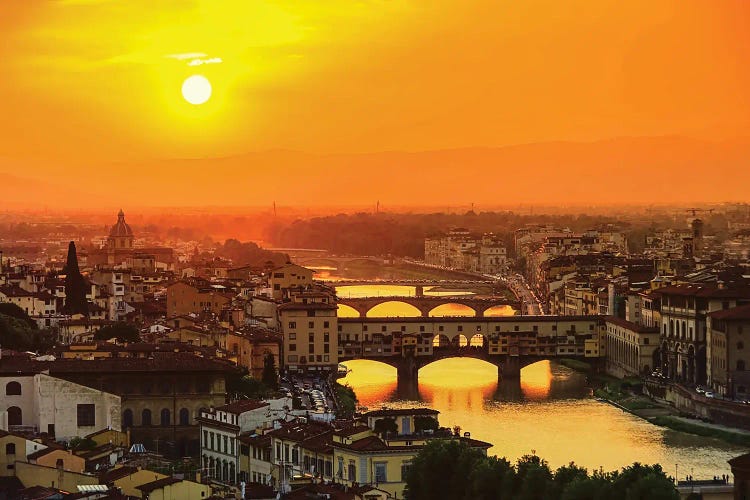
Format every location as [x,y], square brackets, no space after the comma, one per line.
[697,227]
[120,236]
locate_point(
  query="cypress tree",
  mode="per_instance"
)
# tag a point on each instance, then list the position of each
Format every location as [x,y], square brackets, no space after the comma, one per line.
[75,286]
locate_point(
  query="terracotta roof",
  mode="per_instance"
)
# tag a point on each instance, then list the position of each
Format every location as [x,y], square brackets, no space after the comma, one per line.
[739,313]
[238,407]
[398,412]
[158,484]
[298,306]
[740,462]
[158,362]
[635,327]
[113,475]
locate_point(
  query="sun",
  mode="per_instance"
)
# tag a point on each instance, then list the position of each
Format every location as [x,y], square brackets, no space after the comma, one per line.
[196,89]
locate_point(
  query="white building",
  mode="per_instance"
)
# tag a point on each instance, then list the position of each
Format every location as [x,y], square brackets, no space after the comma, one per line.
[63,409]
[220,429]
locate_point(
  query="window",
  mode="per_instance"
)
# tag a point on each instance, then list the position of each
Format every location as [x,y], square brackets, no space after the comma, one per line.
[10,449]
[86,414]
[292,358]
[13,389]
[292,324]
[740,346]
[292,336]
[292,347]
[325,324]
[326,337]
[311,337]
[740,365]
[405,470]
[380,472]
[326,348]
[146,417]
[165,417]
[352,472]
[127,418]
[311,324]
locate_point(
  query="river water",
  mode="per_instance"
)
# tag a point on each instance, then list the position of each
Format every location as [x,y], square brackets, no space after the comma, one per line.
[550,412]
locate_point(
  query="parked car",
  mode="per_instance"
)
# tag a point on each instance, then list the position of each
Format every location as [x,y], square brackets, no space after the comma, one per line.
[709,394]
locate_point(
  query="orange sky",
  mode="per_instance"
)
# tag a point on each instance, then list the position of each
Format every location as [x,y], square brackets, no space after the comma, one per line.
[91,83]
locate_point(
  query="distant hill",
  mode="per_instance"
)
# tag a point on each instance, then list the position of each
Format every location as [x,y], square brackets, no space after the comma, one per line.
[633,170]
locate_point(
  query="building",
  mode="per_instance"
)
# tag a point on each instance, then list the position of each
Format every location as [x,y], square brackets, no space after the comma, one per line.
[288,276]
[220,430]
[728,341]
[195,296]
[161,396]
[62,409]
[255,458]
[15,447]
[461,250]
[632,349]
[252,345]
[309,324]
[121,250]
[684,310]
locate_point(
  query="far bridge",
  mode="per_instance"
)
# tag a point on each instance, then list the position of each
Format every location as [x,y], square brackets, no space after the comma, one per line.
[412,282]
[426,304]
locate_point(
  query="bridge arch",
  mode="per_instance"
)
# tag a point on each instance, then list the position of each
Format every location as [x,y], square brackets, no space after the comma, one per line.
[392,308]
[477,340]
[452,309]
[441,340]
[345,311]
[500,310]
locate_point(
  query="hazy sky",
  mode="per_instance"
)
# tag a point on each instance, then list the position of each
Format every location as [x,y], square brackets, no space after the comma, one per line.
[86,82]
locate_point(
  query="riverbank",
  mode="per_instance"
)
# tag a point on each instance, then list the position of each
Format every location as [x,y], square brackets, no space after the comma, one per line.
[625,394]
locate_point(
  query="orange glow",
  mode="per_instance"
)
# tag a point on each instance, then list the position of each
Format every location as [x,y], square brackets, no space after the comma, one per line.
[381,96]
[536,380]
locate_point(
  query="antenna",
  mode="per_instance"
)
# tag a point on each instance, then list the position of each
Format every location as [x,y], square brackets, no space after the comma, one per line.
[274,208]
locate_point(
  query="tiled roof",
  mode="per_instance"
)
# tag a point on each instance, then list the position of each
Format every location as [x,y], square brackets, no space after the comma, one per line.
[738,313]
[398,412]
[158,484]
[238,407]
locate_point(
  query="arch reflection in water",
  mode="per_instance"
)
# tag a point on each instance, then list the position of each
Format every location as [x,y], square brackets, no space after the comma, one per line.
[547,412]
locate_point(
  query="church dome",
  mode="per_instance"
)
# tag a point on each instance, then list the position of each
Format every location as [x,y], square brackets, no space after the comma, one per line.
[121,228]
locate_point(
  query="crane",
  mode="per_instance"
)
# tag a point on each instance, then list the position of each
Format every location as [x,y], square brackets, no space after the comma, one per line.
[696,210]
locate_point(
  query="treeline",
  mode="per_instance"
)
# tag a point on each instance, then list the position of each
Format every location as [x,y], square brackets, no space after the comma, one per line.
[450,469]
[20,333]
[403,235]
[247,254]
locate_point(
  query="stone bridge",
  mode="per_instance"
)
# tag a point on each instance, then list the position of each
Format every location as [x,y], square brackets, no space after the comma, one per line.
[414,282]
[426,304]
[408,364]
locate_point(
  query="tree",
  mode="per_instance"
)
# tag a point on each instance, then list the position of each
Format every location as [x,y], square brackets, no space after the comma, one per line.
[424,423]
[269,376]
[75,285]
[385,425]
[22,334]
[443,469]
[13,311]
[123,332]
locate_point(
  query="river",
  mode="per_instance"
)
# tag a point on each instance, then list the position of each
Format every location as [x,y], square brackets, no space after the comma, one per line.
[550,413]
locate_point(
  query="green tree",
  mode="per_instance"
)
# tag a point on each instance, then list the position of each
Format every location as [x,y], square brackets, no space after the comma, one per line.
[424,423]
[75,285]
[442,469]
[385,425]
[595,487]
[123,332]
[20,335]
[270,376]
[565,475]
[12,310]
[492,478]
